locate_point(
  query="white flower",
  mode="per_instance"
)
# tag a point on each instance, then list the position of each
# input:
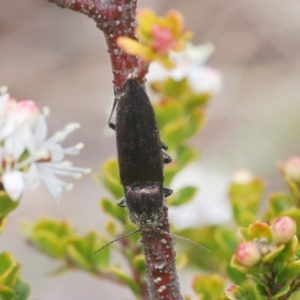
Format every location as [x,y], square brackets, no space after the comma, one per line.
[27,156]
[46,159]
[11,146]
[190,64]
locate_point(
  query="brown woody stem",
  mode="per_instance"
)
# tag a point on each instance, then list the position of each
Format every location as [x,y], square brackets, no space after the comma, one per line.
[160,262]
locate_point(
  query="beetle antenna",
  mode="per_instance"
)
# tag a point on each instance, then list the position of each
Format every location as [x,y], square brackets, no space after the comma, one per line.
[182,238]
[117,239]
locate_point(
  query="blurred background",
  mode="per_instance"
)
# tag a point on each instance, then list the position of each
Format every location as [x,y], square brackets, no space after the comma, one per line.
[58,58]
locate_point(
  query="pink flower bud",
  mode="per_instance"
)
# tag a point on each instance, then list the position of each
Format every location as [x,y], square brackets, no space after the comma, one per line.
[163,39]
[25,110]
[248,254]
[283,229]
[292,168]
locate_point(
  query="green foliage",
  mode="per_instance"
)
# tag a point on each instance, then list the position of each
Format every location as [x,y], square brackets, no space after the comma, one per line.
[6,204]
[209,287]
[237,293]
[182,196]
[12,287]
[245,199]
[59,240]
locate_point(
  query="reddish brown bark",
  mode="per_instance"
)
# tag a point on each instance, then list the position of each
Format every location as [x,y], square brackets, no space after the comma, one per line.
[159,251]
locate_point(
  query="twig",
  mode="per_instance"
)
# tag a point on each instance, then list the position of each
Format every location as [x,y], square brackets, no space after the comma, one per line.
[294,287]
[160,262]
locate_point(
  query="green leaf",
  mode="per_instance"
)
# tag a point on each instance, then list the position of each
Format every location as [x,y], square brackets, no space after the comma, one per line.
[110,178]
[176,88]
[294,269]
[80,250]
[113,210]
[101,260]
[170,171]
[226,239]
[49,235]
[236,276]
[50,243]
[126,280]
[182,196]
[273,254]
[237,293]
[6,293]
[186,155]
[9,269]
[174,111]
[58,228]
[197,101]
[22,290]
[77,253]
[246,198]
[292,185]
[243,218]
[138,263]
[279,203]
[281,292]
[209,287]
[12,278]
[195,122]
[174,133]
[6,204]
[3,221]
[260,229]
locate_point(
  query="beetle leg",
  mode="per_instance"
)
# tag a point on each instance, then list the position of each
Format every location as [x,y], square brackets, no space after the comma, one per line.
[122,202]
[163,145]
[166,158]
[167,192]
[110,124]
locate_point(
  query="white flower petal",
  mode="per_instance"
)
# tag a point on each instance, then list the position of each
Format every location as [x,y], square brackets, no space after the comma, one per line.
[53,184]
[41,130]
[14,184]
[190,64]
[32,177]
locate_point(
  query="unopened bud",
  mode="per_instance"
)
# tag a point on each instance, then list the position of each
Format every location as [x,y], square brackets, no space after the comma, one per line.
[292,168]
[248,254]
[163,39]
[283,230]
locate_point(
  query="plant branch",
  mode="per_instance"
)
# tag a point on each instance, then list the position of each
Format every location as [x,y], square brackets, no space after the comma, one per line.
[160,262]
[294,287]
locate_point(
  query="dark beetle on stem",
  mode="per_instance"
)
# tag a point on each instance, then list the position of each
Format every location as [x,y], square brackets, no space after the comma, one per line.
[140,157]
